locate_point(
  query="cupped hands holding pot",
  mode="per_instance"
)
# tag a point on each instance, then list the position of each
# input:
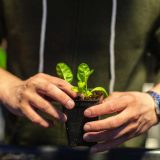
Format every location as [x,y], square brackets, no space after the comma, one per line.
[25,97]
[133,113]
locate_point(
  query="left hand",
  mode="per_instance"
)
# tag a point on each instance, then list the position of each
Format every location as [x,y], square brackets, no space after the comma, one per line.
[135,114]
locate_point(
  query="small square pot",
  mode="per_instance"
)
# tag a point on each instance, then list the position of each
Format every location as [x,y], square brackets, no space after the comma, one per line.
[76,120]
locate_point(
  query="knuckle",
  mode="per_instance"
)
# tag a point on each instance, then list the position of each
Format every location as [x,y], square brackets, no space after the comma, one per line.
[21,94]
[26,94]
[20,97]
[93,111]
[45,108]
[65,99]
[31,82]
[95,127]
[111,107]
[134,117]
[62,96]
[98,126]
[39,75]
[114,123]
[135,130]
[62,83]
[113,94]
[131,97]
[49,87]
[36,120]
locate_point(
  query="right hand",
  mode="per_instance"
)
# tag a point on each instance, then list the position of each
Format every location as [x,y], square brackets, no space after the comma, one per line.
[23,98]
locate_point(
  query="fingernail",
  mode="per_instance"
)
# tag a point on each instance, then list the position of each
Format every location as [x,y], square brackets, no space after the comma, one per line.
[93,150]
[64,118]
[87,113]
[87,127]
[70,104]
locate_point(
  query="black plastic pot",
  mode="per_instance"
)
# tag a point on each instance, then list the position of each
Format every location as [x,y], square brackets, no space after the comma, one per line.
[75,122]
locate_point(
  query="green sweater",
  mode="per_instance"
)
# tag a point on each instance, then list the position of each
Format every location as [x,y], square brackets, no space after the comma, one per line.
[80,31]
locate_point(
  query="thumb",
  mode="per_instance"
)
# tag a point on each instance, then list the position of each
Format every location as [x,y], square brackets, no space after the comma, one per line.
[108,106]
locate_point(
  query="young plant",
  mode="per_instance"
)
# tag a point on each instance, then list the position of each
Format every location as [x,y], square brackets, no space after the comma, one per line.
[83,74]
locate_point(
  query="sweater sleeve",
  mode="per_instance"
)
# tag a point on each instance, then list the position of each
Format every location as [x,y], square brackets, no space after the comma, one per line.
[154,50]
[2,24]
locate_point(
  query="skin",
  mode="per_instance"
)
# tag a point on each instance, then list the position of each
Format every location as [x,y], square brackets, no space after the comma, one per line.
[25,97]
[133,114]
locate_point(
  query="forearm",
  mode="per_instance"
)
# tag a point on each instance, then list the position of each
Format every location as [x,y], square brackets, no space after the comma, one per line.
[7,81]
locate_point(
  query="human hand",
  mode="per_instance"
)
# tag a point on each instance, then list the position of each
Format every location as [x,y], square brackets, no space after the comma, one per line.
[23,98]
[134,114]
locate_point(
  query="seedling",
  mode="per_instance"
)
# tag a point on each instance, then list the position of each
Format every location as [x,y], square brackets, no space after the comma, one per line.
[88,97]
[83,74]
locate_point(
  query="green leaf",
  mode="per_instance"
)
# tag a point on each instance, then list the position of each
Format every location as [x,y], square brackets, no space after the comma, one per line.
[100,89]
[83,72]
[3,58]
[81,84]
[75,89]
[64,72]
[81,87]
[89,93]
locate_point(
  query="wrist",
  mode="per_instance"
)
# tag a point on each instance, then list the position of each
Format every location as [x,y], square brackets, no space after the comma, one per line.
[8,84]
[156,98]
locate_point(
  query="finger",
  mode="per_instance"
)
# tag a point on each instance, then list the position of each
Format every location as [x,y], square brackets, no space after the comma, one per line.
[101,136]
[40,103]
[113,95]
[62,84]
[96,136]
[108,107]
[50,122]
[53,91]
[111,135]
[100,147]
[17,112]
[107,123]
[33,116]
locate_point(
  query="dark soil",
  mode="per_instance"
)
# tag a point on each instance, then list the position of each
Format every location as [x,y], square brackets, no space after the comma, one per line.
[95,96]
